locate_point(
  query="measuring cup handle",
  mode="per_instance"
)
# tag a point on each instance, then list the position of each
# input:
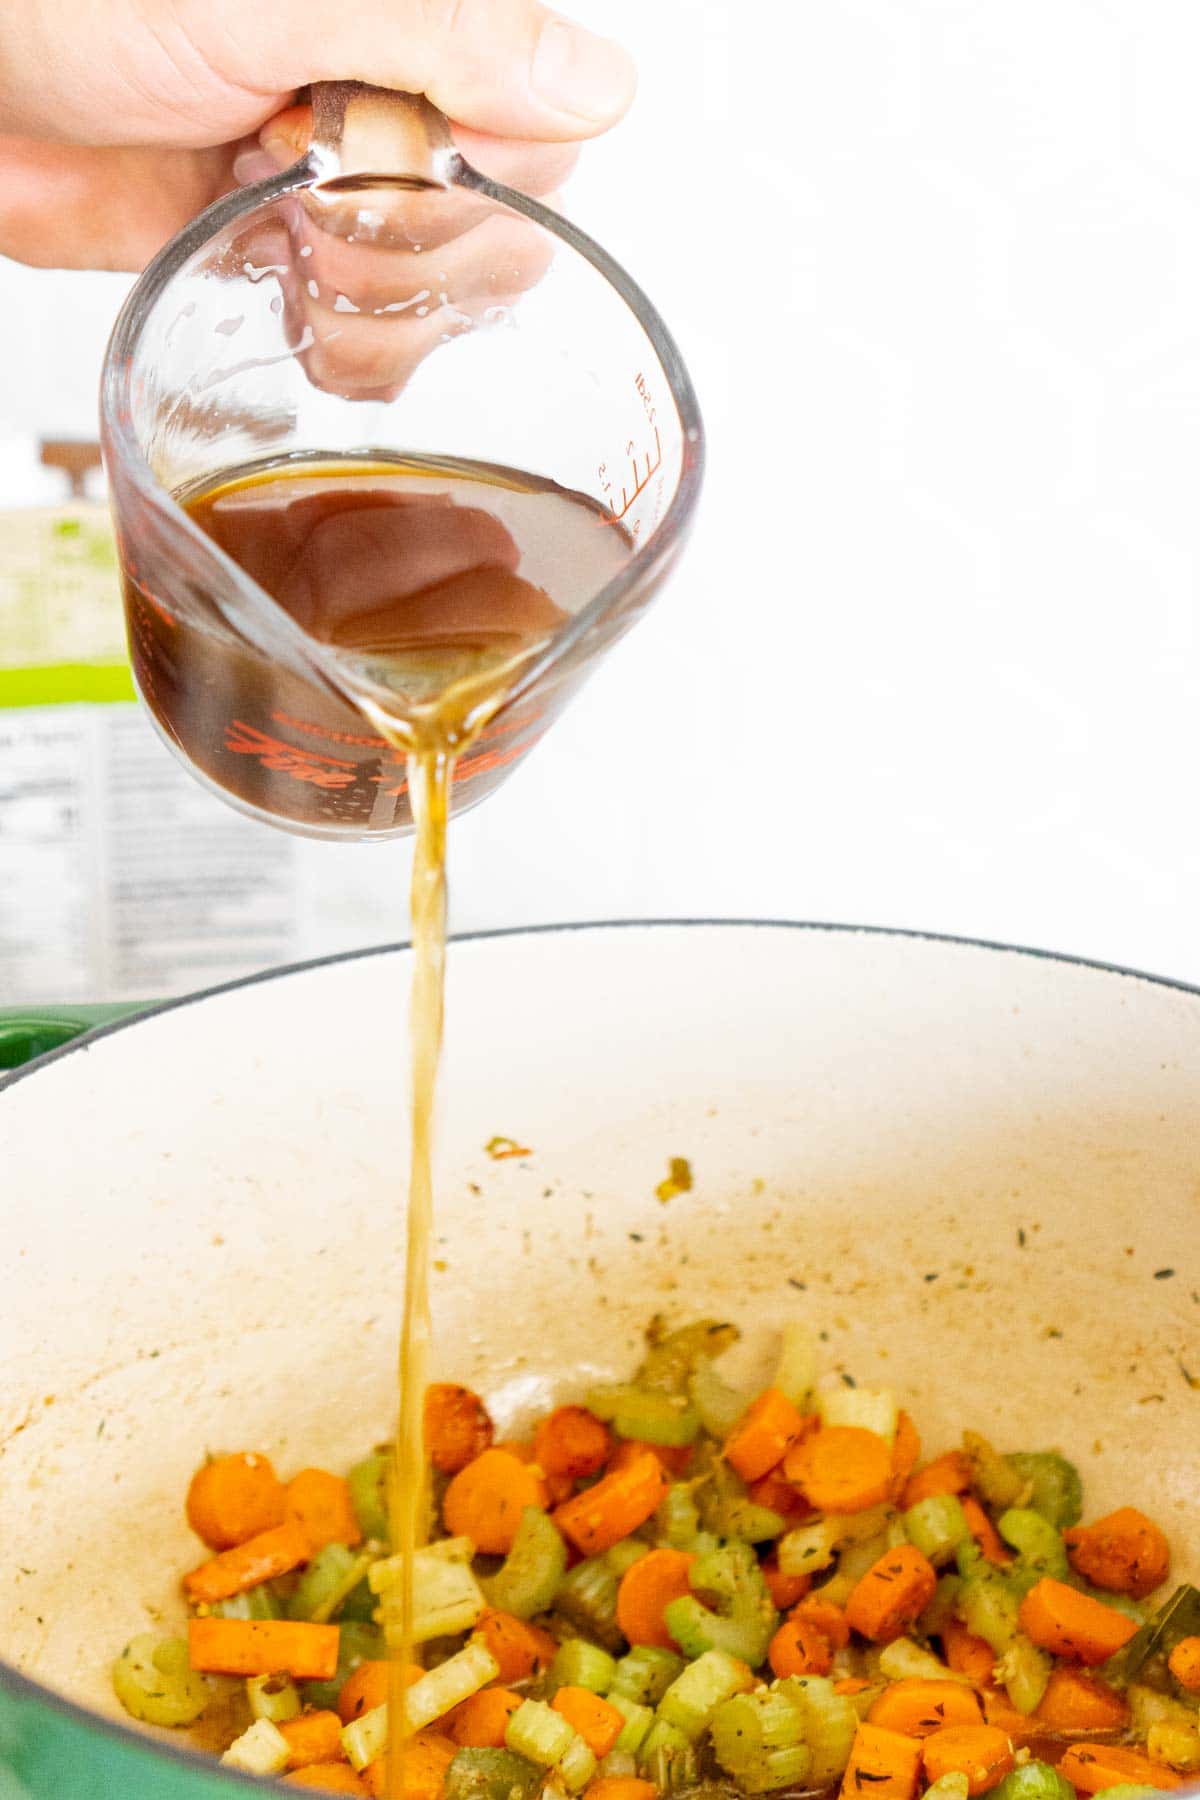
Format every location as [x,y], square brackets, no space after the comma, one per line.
[362,130]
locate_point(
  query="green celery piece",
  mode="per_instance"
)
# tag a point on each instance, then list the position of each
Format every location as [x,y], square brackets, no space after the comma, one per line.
[830,1722]
[725,1507]
[994,1477]
[580,1664]
[937,1526]
[1057,1491]
[259,1602]
[491,1775]
[529,1577]
[154,1681]
[1176,1618]
[1038,1542]
[1024,1671]
[638,1720]
[678,1518]
[356,1644]
[667,1758]
[719,1405]
[622,1555]
[746,1624]
[273,1697]
[673,1355]
[324,1575]
[587,1598]
[536,1731]
[942,1607]
[759,1740]
[699,1689]
[1037,1781]
[988,1606]
[367,1482]
[645,1674]
[647,1414]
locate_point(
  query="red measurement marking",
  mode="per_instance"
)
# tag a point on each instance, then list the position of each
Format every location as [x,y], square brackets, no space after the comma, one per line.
[641,482]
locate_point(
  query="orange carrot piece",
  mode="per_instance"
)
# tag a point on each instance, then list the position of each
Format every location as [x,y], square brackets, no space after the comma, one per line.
[674,1458]
[1184,1664]
[1093,1767]
[485,1500]
[243,1566]
[458,1426]
[320,1504]
[480,1722]
[786,1591]
[948,1474]
[262,1647]
[312,1737]
[427,1756]
[366,1687]
[598,1723]
[1074,1701]
[891,1594]
[850,1684]
[620,1501]
[330,1777]
[1070,1624]
[782,1496]
[882,1763]
[520,1649]
[764,1434]
[572,1442]
[798,1648]
[841,1468]
[829,1619]
[620,1787]
[967,1654]
[233,1498]
[1020,1729]
[906,1447]
[984,1532]
[647,1588]
[1124,1552]
[918,1707]
[980,1752]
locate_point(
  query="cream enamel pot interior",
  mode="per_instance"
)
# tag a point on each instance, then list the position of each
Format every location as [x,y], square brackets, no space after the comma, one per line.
[975,1171]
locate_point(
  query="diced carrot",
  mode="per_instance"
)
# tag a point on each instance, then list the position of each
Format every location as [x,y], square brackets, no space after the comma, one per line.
[764,1434]
[243,1566]
[515,1447]
[1184,1664]
[598,1723]
[1093,1767]
[480,1722]
[984,1532]
[262,1647]
[619,1502]
[367,1687]
[906,1447]
[1074,1701]
[841,1468]
[967,1654]
[427,1756]
[850,1684]
[918,1707]
[485,1500]
[782,1496]
[948,1474]
[320,1504]
[620,1787]
[798,1648]
[1019,1728]
[785,1590]
[882,1763]
[891,1594]
[980,1752]
[830,1620]
[674,1458]
[520,1649]
[572,1442]
[312,1737]
[458,1426]
[330,1777]
[1070,1624]
[1124,1552]
[233,1498]
[647,1588]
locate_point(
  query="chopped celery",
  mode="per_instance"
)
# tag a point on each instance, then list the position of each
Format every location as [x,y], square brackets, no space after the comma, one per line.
[994,1477]
[274,1697]
[447,1598]
[491,1775]
[954,1785]
[1024,1671]
[902,1660]
[852,1564]
[726,1509]
[580,1664]
[667,1758]
[1035,1781]
[262,1750]
[528,1579]
[988,1607]
[367,1482]
[645,1674]
[796,1374]
[462,1675]
[695,1694]
[623,1554]
[646,1414]
[1148,1707]
[618,1765]
[942,1608]
[1055,1488]
[259,1602]
[587,1598]
[1175,1742]
[719,1405]
[1036,1540]
[937,1526]
[154,1681]
[809,1548]
[638,1720]
[577,1765]
[387,1570]
[678,1517]
[874,1409]
[744,1629]
[830,1722]
[673,1355]
[1129,1790]
[330,1577]
[759,1740]
[536,1731]
[356,1643]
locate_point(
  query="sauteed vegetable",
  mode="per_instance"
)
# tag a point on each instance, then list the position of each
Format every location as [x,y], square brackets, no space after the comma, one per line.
[676,1588]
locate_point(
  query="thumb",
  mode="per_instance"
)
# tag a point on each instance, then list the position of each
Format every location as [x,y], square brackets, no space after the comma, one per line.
[510,67]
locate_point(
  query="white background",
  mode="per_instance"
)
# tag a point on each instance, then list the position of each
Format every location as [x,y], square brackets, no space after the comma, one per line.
[932,659]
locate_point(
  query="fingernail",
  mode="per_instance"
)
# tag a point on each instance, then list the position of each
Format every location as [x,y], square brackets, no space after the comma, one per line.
[250,166]
[576,71]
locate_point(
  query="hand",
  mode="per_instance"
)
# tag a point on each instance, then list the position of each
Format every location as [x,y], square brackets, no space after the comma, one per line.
[121,119]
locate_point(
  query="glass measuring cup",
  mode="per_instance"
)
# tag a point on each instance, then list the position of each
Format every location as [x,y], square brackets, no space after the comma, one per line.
[381,303]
